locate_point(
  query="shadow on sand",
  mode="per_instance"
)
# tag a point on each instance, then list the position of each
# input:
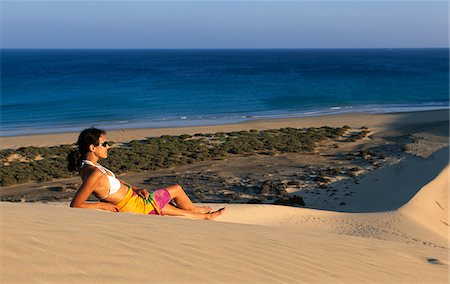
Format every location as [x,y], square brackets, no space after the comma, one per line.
[392,186]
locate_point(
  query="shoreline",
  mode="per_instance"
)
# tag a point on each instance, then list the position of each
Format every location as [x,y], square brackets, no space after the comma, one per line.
[211,120]
[376,122]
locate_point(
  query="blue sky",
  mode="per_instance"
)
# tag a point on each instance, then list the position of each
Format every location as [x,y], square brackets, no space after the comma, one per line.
[224,24]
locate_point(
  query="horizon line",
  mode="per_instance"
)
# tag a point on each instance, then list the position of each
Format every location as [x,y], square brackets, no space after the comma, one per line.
[212,48]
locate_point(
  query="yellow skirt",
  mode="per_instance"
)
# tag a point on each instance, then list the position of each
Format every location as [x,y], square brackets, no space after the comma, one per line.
[136,204]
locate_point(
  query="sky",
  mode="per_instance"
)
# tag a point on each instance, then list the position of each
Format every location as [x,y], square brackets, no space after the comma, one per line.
[224,24]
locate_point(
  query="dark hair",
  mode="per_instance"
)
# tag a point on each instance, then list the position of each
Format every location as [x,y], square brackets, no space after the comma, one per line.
[88,137]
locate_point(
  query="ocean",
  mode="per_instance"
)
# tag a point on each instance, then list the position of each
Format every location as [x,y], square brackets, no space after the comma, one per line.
[53,91]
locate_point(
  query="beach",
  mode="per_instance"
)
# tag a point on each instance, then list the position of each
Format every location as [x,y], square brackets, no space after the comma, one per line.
[375,121]
[375,211]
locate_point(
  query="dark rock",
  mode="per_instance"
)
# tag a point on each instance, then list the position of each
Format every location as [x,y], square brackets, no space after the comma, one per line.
[270,187]
[233,195]
[321,179]
[200,196]
[255,201]
[281,189]
[294,182]
[292,200]
[11,199]
[266,187]
[268,153]
[55,189]
[334,171]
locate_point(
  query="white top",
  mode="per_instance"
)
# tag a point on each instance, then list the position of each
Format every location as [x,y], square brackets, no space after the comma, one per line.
[114,183]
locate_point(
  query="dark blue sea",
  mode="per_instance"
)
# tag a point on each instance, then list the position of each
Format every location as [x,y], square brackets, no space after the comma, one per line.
[49,91]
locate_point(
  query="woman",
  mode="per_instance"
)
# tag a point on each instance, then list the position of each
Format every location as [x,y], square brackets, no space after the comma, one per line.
[118,196]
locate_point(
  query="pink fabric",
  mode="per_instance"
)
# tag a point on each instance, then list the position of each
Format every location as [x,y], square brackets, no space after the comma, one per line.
[162,198]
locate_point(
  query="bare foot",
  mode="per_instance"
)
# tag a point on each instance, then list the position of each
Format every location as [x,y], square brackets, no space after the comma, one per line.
[202,209]
[215,214]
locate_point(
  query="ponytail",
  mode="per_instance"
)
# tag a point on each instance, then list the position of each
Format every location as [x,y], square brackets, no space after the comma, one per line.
[74,160]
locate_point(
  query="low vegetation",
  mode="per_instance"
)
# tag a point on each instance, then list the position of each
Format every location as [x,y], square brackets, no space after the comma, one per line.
[47,163]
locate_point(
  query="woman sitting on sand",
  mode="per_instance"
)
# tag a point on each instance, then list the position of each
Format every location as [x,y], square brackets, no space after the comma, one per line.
[118,196]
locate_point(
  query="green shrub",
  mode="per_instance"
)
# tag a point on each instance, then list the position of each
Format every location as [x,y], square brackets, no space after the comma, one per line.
[168,151]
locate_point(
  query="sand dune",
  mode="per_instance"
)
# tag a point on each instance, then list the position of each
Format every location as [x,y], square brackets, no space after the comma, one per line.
[429,206]
[391,187]
[59,244]
[394,196]
[393,229]
[250,243]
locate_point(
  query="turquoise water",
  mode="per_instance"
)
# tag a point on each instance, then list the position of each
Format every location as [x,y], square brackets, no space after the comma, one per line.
[48,91]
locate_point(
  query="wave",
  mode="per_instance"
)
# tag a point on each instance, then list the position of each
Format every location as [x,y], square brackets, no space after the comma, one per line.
[204,120]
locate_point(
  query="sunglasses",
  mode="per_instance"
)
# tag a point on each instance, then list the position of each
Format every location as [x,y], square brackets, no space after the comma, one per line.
[104,144]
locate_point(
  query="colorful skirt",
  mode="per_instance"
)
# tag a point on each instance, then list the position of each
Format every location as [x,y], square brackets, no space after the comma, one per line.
[152,205]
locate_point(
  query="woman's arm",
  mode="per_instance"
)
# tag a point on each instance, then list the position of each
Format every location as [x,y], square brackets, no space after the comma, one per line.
[79,200]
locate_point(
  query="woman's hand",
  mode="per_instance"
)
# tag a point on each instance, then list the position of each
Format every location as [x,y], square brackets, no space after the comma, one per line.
[109,207]
[143,193]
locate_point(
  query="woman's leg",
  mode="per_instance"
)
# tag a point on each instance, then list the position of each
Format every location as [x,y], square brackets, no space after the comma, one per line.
[174,211]
[183,201]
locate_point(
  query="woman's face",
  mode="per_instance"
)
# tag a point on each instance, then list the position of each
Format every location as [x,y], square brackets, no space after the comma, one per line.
[102,149]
